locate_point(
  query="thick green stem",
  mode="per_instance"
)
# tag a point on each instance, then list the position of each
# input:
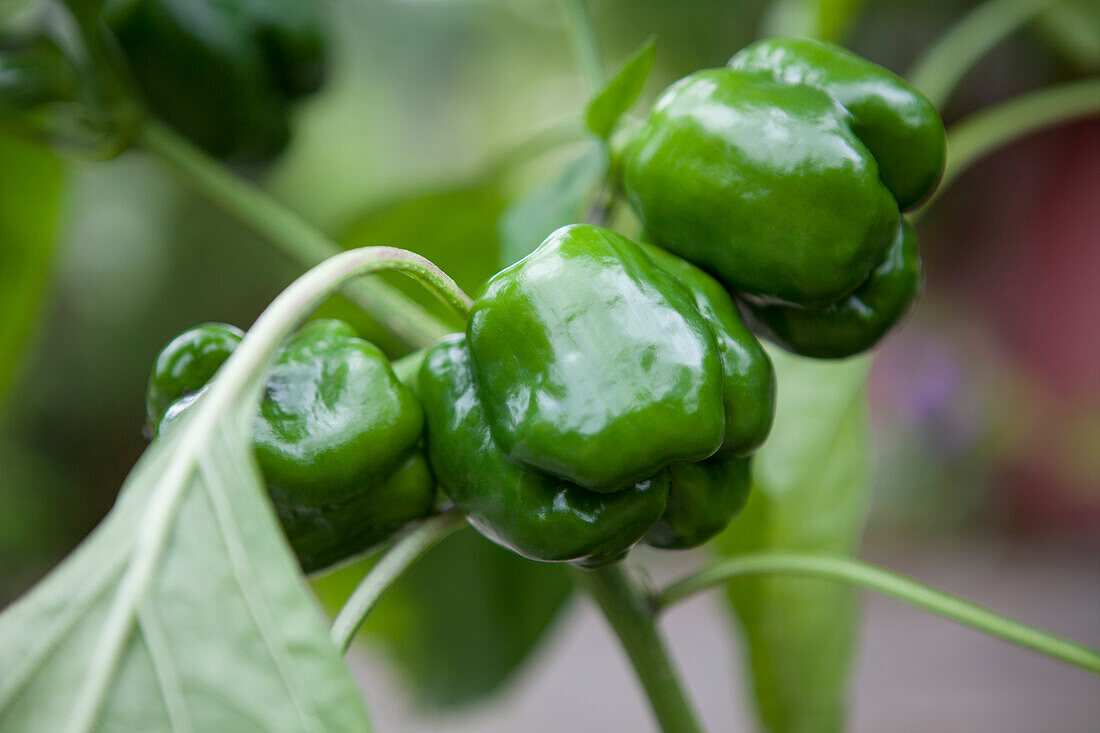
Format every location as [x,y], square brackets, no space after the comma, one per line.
[630,615]
[946,62]
[387,571]
[853,572]
[293,236]
[587,43]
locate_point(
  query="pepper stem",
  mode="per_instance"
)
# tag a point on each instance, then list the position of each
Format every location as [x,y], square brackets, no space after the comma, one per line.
[628,611]
[385,573]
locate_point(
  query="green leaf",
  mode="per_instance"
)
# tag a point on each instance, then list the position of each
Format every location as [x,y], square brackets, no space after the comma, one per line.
[30,191]
[184,609]
[621,91]
[453,227]
[810,493]
[463,620]
[828,20]
[530,219]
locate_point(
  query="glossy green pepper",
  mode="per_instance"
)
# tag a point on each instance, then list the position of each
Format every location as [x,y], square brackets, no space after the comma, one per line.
[594,364]
[222,72]
[336,436]
[591,369]
[783,174]
[532,513]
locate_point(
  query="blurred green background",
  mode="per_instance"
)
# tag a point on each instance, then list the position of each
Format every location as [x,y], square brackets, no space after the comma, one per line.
[986,406]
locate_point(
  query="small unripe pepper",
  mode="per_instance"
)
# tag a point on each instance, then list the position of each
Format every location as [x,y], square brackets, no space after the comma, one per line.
[336,434]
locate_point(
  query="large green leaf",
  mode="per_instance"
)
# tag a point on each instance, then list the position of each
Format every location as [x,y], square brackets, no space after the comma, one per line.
[30,189]
[184,610]
[463,619]
[810,494]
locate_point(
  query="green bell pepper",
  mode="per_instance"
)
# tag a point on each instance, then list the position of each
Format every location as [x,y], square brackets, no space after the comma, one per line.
[784,175]
[336,435]
[186,364]
[592,373]
[593,363]
[898,124]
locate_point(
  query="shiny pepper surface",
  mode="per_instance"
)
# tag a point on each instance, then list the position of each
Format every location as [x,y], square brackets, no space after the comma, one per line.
[783,174]
[703,498]
[594,364]
[854,323]
[536,515]
[186,365]
[223,72]
[336,436]
[897,123]
[598,366]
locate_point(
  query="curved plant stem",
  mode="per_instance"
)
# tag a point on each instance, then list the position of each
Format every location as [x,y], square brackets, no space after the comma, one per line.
[631,616]
[938,72]
[853,572]
[588,45]
[293,236]
[1004,123]
[381,577]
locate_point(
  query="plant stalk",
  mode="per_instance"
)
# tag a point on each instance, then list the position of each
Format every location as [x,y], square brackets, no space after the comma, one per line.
[294,237]
[630,615]
[1004,123]
[856,573]
[588,45]
[938,72]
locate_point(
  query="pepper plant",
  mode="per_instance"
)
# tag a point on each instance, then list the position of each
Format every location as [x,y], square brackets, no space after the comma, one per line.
[692,304]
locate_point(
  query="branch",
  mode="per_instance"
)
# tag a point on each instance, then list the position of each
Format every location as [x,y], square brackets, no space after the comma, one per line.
[854,572]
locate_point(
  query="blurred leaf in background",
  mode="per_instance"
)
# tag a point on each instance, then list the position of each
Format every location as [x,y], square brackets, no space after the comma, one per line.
[811,483]
[561,200]
[30,193]
[828,20]
[454,227]
[463,620]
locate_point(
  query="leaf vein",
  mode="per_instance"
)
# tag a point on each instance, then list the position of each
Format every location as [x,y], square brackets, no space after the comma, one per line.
[246,580]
